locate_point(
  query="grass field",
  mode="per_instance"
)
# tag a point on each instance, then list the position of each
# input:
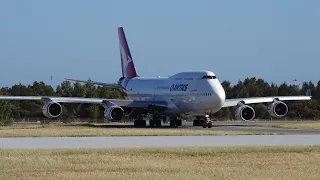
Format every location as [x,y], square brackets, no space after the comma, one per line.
[37,130]
[307,126]
[187,163]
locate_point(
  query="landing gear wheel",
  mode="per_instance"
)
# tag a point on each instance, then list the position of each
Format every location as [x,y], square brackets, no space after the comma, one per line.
[140,123]
[158,123]
[175,122]
[205,124]
[172,123]
[151,123]
[179,122]
[155,121]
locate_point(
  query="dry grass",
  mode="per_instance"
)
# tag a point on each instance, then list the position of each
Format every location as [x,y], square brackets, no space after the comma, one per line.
[187,163]
[35,130]
[306,126]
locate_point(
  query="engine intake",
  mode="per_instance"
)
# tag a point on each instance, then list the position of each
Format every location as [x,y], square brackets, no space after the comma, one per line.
[114,113]
[52,109]
[278,109]
[245,113]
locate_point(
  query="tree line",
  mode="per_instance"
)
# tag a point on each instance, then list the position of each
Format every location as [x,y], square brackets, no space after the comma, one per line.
[250,87]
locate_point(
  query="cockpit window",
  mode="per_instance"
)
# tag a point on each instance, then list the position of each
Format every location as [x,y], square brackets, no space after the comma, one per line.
[209,77]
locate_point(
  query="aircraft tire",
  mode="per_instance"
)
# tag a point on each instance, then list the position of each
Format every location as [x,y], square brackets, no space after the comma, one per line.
[209,124]
[151,123]
[172,123]
[175,122]
[179,122]
[205,124]
[140,123]
[158,122]
[143,123]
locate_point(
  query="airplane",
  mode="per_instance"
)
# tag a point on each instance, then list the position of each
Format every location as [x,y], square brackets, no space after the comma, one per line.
[195,93]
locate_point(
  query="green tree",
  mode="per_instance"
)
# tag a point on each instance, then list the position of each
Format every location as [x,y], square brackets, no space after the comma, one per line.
[94,111]
[249,87]
[261,111]
[5,112]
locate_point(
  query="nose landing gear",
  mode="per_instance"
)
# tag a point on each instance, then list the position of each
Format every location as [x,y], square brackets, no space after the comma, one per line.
[207,124]
[204,121]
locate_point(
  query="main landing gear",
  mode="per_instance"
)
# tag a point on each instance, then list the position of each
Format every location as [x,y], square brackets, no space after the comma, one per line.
[140,123]
[156,121]
[204,121]
[175,122]
[207,124]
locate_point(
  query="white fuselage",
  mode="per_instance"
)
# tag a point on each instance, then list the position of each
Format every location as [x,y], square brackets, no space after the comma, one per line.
[186,92]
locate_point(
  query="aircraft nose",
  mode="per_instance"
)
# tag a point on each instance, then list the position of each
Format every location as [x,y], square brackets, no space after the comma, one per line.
[219,94]
[220,97]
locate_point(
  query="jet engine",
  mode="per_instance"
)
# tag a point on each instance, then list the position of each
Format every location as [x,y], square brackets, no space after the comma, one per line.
[278,109]
[113,112]
[52,109]
[245,113]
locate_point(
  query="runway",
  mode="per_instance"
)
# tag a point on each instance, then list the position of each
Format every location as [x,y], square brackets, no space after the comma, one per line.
[258,127]
[255,126]
[159,141]
[291,137]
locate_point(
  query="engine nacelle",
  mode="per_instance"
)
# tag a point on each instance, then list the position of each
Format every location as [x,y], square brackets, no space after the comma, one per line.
[52,109]
[278,109]
[113,113]
[245,113]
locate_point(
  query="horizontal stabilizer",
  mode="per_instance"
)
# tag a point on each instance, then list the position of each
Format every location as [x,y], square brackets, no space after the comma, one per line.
[97,83]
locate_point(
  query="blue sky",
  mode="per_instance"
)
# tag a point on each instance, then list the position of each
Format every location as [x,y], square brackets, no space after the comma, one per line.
[274,40]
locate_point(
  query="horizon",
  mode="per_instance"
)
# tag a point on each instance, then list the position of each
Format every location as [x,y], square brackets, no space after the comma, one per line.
[299,84]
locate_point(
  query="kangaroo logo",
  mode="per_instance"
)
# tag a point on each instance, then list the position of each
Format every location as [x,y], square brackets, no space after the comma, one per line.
[126,60]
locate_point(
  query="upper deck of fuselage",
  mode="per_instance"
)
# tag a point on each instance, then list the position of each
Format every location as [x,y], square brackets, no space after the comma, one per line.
[189,75]
[192,75]
[192,78]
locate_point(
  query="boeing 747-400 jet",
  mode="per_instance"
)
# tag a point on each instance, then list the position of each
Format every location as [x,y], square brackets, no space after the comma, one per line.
[197,93]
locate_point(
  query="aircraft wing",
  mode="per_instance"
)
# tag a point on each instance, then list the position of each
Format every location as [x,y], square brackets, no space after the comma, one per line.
[254,100]
[120,102]
[97,83]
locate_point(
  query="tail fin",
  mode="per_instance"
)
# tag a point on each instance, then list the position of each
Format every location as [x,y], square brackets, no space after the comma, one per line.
[127,65]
